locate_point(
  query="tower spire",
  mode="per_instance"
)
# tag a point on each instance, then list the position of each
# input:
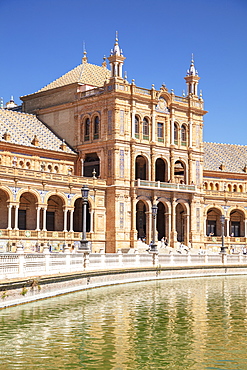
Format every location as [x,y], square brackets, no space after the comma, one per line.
[192,78]
[84,59]
[116,59]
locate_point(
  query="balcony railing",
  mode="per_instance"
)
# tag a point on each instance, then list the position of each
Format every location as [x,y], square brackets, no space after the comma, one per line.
[164,186]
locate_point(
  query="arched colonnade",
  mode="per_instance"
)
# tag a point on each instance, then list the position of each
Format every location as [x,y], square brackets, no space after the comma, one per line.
[172,220]
[30,210]
[235,222]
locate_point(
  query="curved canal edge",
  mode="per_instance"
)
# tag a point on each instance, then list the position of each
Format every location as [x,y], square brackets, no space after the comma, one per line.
[19,291]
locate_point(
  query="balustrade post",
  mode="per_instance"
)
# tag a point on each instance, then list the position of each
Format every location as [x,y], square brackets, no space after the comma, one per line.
[71,227]
[86,260]
[102,252]
[137,255]
[47,257]
[67,253]
[120,258]
[16,217]
[21,261]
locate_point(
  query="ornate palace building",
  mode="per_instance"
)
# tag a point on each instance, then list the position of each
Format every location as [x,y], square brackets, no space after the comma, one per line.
[133,147]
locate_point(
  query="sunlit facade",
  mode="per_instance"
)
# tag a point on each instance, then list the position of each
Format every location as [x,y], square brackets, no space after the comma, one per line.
[134,147]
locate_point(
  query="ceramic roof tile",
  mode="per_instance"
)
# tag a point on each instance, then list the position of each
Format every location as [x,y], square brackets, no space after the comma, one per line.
[84,73]
[23,126]
[233,157]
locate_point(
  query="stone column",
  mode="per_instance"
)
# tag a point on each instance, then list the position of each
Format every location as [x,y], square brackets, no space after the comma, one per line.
[172,166]
[187,225]
[172,131]
[37,218]
[190,134]
[65,211]
[152,167]
[44,219]
[227,227]
[71,220]
[9,217]
[16,217]
[91,221]
[148,227]
[173,224]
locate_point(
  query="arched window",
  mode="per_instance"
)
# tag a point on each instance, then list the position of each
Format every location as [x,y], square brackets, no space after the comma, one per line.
[96,128]
[145,130]
[87,129]
[175,133]
[136,127]
[183,135]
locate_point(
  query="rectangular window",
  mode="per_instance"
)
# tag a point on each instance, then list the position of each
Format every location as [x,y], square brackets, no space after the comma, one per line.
[109,122]
[121,128]
[109,163]
[121,152]
[160,131]
[121,218]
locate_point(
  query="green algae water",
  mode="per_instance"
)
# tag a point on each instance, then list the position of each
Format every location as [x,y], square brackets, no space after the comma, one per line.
[171,324]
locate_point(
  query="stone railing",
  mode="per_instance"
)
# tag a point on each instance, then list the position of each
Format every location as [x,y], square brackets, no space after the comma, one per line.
[17,265]
[165,186]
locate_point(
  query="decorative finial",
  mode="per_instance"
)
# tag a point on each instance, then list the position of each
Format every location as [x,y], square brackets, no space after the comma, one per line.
[125,76]
[192,58]
[94,174]
[183,94]
[116,36]
[104,61]
[200,94]
[84,59]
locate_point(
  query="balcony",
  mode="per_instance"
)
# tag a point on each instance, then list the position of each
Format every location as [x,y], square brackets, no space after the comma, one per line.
[144,184]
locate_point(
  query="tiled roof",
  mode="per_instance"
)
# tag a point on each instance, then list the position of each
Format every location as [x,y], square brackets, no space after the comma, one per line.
[84,73]
[22,128]
[232,157]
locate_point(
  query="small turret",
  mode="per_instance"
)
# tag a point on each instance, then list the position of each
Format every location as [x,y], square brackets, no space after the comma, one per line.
[192,79]
[116,60]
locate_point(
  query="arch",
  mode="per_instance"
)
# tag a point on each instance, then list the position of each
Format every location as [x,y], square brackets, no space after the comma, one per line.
[213,222]
[211,186]
[229,187]
[96,127]
[205,185]
[87,129]
[181,222]
[162,221]
[234,188]
[217,187]
[160,170]
[141,168]
[8,192]
[137,126]
[27,211]
[183,134]
[237,227]
[54,213]
[179,172]
[141,221]
[78,216]
[91,164]
[31,191]
[4,199]
[175,133]
[145,128]
[240,188]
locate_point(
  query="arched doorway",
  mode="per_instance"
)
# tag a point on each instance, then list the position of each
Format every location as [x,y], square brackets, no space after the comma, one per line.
[27,212]
[54,214]
[78,216]
[91,164]
[3,210]
[141,168]
[161,221]
[180,223]
[213,222]
[236,223]
[179,173]
[141,220]
[160,170]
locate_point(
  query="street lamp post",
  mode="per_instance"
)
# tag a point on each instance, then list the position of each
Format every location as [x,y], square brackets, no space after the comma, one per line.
[222,220]
[84,242]
[154,214]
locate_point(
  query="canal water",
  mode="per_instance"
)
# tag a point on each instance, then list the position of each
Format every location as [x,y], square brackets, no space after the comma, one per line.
[171,324]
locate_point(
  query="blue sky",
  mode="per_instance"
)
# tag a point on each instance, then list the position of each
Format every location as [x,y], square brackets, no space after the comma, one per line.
[43,39]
